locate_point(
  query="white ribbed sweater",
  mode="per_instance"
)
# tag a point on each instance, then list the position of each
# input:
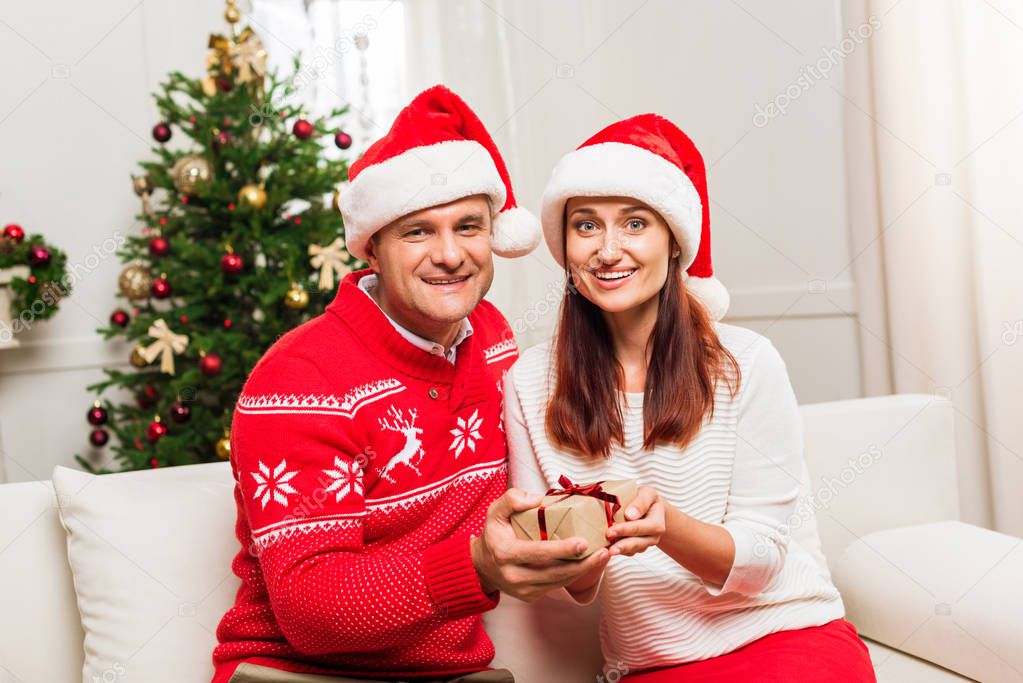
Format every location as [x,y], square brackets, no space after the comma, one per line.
[742,472]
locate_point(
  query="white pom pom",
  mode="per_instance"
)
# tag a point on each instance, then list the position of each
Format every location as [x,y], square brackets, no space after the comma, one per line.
[711,293]
[516,233]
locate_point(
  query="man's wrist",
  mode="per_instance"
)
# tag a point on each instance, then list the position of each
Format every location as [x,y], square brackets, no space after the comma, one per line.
[476,555]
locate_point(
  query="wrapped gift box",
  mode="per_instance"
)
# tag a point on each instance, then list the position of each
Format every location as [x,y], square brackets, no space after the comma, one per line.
[576,510]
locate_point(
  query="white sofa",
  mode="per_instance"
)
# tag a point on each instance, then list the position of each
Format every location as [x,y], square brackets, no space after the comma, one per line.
[918,584]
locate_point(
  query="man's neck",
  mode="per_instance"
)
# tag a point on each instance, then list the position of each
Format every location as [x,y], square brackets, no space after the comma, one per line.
[443,334]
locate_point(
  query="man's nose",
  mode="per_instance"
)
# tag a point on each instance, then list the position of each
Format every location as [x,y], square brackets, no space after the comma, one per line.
[447,252]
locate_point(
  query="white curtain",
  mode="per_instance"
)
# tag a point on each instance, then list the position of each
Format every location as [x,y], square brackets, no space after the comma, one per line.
[946,79]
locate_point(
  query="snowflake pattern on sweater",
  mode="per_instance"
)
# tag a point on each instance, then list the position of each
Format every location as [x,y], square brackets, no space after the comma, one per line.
[363,465]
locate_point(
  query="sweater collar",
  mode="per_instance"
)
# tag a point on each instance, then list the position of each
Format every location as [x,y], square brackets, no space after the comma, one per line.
[466,377]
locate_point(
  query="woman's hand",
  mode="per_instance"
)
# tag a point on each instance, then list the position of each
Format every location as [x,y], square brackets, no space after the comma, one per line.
[643,526]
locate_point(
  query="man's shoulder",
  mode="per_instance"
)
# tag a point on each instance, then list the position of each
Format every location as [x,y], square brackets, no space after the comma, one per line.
[302,356]
[487,316]
[496,339]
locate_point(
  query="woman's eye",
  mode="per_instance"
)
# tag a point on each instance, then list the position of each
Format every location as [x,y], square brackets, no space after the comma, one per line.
[636,224]
[585,226]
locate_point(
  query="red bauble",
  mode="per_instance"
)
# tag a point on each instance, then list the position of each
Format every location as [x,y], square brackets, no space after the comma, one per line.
[161,288]
[155,430]
[180,412]
[221,138]
[148,397]
[302,129]
[14,232]
[343,140]
[210,364]
[161,132]
[231,264]
[97,416]
[159,246]
[38,256]
[99,437]
[119,318]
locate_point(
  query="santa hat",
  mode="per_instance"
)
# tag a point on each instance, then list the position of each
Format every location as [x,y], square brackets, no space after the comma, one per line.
[648,158]
[436,152]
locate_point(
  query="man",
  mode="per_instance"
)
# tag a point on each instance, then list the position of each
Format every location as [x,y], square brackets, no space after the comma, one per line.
[367,444]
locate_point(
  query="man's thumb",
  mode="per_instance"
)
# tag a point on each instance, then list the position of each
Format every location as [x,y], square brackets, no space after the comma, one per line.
[515,500]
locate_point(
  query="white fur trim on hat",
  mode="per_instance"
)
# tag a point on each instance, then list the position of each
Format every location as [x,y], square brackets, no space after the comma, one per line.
[615,169]
[422,177]
[711,293]
[516,233]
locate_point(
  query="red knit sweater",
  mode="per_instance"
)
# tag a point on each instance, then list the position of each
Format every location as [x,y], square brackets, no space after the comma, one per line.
[362,465]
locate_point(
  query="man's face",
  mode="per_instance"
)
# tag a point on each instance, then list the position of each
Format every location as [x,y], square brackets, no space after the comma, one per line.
[435,265]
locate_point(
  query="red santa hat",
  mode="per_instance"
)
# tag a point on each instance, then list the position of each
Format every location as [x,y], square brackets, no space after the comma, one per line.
[437,151]
[648,158]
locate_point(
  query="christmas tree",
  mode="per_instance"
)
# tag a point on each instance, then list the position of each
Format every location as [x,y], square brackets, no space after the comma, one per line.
[240,243]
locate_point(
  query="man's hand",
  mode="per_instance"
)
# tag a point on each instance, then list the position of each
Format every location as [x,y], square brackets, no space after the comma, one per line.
[527,569]
[643,527]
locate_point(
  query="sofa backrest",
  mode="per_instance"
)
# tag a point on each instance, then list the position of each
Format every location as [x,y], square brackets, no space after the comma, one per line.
[40,634]
[880,463]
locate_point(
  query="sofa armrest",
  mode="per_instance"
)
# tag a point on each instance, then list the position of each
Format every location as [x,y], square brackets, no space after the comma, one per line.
[947,592]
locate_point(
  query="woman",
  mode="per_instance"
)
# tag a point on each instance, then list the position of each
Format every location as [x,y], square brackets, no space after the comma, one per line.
[702,581]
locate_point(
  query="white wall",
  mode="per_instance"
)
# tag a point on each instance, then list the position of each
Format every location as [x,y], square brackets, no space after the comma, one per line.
[778,209]
[75,114]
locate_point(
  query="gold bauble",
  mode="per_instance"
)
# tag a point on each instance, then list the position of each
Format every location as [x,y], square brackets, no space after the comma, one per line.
[135,281]
[232,15]
[253,195]
[137,359]
[224,447]
[142,184]
[191,171]
[209,86]
[296,298]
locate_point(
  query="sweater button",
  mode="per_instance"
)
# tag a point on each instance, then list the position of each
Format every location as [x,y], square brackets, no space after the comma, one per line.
[434,393]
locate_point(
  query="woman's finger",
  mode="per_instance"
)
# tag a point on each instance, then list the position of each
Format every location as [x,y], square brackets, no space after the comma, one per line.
[643,527]
[633,545]
[646,496]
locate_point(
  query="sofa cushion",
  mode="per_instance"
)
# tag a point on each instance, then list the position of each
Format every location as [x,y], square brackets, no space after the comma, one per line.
[150,555]
[947,592]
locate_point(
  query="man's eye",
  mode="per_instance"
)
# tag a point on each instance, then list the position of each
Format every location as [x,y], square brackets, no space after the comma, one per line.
[418,232]
[468,227]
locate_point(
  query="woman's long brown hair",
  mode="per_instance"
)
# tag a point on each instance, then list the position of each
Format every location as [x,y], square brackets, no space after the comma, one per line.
[687,359]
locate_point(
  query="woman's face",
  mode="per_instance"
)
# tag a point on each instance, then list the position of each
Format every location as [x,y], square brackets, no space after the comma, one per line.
[617,250]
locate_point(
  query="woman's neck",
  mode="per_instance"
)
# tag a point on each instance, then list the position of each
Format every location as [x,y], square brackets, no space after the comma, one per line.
[630,336]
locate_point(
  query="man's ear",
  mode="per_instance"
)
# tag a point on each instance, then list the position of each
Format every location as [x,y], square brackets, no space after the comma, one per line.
[371,254]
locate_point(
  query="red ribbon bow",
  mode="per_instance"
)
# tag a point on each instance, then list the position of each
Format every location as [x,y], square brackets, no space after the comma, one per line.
[611,503]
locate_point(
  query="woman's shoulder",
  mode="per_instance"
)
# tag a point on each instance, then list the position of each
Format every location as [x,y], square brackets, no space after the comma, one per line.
[743,343]
[533,364]
[763,370]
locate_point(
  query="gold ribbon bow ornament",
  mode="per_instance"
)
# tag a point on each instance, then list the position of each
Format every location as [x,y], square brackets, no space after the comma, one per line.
[166,345]
[330,260]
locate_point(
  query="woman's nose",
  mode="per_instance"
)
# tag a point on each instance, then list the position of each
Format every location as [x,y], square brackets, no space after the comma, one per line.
[611,248]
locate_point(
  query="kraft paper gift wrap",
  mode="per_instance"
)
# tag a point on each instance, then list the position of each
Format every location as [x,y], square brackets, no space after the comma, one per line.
[577,510]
